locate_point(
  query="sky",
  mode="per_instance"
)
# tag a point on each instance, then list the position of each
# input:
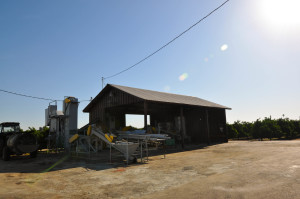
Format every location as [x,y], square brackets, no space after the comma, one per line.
[244,56]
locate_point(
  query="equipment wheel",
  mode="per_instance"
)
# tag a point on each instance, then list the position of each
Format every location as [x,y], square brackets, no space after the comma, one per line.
[5,154]
[1,144]
[33,154]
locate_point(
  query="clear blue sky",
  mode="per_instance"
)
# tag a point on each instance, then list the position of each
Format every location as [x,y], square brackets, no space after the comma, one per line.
[57,48]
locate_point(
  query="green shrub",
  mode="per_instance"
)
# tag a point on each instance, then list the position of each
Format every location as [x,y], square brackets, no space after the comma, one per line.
[266,128]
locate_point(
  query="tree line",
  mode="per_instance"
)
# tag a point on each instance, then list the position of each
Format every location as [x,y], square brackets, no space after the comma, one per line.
[282,128]
[41,135]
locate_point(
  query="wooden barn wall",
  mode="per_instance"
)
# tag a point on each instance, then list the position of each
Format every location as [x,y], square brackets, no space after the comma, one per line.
[196,125]
[118,118]
[195,117]
[195,121]
[163,115]
[217,120]
[111,98]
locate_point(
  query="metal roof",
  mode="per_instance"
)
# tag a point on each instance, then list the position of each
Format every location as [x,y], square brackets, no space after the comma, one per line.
[156,96]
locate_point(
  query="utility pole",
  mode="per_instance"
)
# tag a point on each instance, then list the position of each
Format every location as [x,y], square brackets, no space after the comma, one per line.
[102,82]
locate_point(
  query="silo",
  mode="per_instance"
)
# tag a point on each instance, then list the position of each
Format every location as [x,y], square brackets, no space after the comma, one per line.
[70,110]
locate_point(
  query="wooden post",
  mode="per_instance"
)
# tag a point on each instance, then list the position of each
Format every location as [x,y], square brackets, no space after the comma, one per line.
[145,114]
[181,127]
[225,127]
[207,127]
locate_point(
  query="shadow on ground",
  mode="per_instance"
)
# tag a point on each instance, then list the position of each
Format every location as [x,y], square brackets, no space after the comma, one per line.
[47,162]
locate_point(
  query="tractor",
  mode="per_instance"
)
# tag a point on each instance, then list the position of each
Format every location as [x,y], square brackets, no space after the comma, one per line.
[14,142]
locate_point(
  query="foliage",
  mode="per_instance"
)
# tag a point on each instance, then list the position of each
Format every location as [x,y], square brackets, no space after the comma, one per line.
[282,128]
[40,134]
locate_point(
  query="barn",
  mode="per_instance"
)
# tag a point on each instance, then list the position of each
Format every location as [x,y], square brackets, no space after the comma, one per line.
[193,119]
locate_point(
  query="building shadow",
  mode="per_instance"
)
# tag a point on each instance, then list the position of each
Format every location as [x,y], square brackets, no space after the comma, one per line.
[49,162]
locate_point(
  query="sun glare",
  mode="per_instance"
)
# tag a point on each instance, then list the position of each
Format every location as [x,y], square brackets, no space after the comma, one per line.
[224,47]
[281,13]
[183,76]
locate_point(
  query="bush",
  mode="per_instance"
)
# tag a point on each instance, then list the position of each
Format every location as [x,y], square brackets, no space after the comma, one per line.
[40,135]
[282,128]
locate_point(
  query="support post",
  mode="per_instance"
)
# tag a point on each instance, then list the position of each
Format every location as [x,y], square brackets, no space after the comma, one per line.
[181,127]
[207,128]
[110,153]
[145,114]
[141,151]
[225,127]
[127,156]
[146,141]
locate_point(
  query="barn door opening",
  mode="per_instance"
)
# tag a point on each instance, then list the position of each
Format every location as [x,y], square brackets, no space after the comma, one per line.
[136,121]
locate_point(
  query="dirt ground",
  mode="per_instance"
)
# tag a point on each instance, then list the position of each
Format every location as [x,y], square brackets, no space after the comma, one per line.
[238,169]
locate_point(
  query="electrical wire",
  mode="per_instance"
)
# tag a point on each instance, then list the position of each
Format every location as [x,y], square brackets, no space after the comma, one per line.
[142,60]
[29,96]
[162,47]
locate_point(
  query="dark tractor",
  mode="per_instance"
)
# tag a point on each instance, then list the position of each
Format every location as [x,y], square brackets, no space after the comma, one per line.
[12,141]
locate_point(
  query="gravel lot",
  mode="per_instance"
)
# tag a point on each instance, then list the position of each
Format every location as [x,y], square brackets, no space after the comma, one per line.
[238,169]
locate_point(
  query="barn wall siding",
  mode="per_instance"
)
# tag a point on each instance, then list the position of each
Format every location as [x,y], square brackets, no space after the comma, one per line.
[196,124]
[114,104]
[113,98]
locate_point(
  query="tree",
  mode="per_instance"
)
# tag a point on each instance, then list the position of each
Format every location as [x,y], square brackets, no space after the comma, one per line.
[266,128]
[232,132]
[40,135]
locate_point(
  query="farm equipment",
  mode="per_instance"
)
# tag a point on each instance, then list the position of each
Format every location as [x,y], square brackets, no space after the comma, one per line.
[96,134]
[12,141]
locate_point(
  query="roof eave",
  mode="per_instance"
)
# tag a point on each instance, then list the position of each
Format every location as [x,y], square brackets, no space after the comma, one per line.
[90,105]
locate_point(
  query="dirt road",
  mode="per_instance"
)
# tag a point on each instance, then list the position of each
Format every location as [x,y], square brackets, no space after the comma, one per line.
[238,169]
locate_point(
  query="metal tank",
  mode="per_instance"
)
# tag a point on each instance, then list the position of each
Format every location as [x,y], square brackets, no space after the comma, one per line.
[63,124]
[20,143]
[70,110]
[12,141]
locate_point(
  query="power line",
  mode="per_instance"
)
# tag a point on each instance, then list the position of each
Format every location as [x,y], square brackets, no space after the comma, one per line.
[147,57]
[29,96]
[34,97]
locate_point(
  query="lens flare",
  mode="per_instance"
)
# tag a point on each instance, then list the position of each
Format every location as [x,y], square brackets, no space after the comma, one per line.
[183,77]
[57,163]
[224,47]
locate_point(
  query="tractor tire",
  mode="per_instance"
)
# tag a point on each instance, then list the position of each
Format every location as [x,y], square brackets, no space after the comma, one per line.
[33,154]
[5,153]
[1,145]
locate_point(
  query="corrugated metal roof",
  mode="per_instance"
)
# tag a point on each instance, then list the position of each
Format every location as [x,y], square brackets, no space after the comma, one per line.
[168,97]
